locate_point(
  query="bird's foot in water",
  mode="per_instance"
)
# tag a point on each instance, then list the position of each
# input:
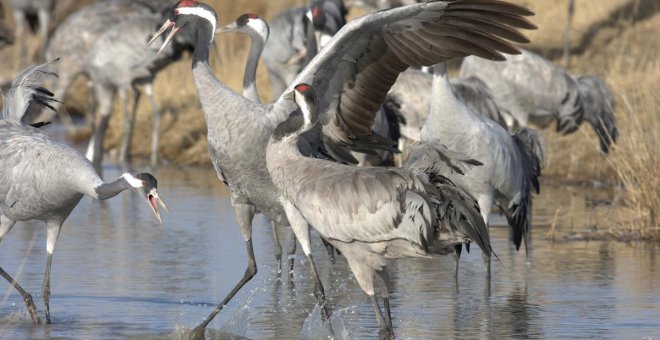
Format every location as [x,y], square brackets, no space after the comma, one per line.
[32,309]
[385,334]
[197,333]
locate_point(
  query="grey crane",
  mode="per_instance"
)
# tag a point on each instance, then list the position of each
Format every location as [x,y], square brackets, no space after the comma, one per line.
[117,63]
[529,88]
[286,49]
[42,179]
[73,39]
[20,10]
[510,167]
[372,214]
[369,53]
[258,31]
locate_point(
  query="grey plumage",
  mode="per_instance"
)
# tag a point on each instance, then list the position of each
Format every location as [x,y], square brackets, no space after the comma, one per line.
[117,63]
[41,179]
[286,49]
[352,74]
[509,172]
[413,90]
[380,4]
[370,213]
[529,88]
[73,39]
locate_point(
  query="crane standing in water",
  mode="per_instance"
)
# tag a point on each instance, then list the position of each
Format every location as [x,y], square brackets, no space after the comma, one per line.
[353,71]
[42,179]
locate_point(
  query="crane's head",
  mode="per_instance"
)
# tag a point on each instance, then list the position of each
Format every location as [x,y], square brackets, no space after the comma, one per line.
[187,12]
[250,24]
[147,186]
[305,97]
[316,15]
[301,120]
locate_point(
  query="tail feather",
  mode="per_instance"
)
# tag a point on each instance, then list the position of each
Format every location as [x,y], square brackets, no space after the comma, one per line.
[455,208]
[532,150]
[26,89]
[599,106]
[459,209]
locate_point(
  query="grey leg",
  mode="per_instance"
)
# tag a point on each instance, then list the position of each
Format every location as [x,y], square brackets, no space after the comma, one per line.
[44,22]
[95,147]
[53,232]
[5,226]
[384,332]
[91,105]
[330,250]
[291,252]
[21,52]
[457,256]
[244,214]
[277,247]
[155,133]
[385,294]
[129,123]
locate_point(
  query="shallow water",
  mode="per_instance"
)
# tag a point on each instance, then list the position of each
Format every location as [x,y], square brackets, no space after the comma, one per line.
[118,274]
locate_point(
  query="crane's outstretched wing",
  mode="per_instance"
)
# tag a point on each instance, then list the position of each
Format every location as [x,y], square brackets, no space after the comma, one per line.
[25,89]
[354,71]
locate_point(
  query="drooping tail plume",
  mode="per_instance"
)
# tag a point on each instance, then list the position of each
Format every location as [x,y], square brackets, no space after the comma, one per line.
[26,88]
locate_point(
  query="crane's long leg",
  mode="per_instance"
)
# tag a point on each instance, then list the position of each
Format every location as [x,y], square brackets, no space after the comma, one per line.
[95,147]
[5,227]
[291,252]
[21,52]
[155,132]
[53,232]
[129,123]
[329,249]
[486,204]
[277,247]
[244,215]
[385,295]
[91,105]
[457,256]
[301,230]
[44,22]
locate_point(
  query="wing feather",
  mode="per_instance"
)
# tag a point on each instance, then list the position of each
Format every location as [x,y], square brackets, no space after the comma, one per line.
[354,71]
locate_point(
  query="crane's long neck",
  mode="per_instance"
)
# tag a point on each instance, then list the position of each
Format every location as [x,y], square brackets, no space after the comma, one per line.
[250,76]
[446,110]
[109,190]
[218,102]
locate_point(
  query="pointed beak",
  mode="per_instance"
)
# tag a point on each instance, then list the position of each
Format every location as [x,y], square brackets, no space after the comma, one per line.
[162,30]
[229,28]
[317,35]
[154,200]
[288,96]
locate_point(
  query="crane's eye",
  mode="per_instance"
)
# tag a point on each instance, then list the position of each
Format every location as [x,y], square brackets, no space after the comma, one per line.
[176,11]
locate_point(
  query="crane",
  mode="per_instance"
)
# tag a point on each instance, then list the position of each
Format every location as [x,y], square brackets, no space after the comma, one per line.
[529,88]
[369,53]
[372,214]
[42,179]
[511,166]
[117,63]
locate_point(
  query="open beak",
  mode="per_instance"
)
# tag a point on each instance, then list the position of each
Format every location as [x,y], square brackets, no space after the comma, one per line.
[162,30]
[229,28]
[154,200]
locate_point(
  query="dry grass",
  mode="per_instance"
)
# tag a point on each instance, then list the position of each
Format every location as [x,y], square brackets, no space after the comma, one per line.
[615,39]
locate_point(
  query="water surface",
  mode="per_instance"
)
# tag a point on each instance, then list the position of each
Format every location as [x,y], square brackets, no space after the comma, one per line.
[118,274]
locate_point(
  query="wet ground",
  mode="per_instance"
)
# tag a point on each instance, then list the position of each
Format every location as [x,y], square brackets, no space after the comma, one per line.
[118,274]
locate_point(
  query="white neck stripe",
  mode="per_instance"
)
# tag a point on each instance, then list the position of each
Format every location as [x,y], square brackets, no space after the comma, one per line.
[202,13]
[132,180]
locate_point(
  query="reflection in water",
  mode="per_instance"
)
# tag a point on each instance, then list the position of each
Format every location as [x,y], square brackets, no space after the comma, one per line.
[118,274]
